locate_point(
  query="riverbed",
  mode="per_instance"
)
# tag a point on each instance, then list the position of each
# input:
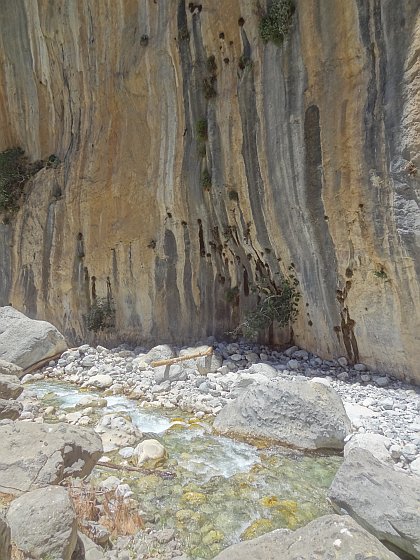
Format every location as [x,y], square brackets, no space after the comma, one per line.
[221,490]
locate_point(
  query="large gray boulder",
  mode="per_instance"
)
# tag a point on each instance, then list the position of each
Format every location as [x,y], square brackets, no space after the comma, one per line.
[175,372]
[335,537]
[161,352]
[36,455]
[43,524]
[10,387]
[384,501]
[4,539]
[10,409]
[24,341]
[296,413]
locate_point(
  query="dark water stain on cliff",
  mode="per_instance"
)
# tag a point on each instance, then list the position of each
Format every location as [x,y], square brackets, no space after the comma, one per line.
[49,230]
[5,263]
[30,293]
[167,295]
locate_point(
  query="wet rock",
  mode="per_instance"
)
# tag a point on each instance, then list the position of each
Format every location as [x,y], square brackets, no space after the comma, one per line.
[384,501]
[296,413]
[330,536]
[10,387]
[43,523]
[24,341]
[150,453]
[10,409]
[36,455]
[94,402]
[116,432]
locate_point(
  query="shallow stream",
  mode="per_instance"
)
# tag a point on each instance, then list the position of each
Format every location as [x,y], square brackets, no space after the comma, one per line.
[224,490]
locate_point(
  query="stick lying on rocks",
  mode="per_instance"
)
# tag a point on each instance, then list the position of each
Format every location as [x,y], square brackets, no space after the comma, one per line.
[41,363]
[115,466]
[171,361]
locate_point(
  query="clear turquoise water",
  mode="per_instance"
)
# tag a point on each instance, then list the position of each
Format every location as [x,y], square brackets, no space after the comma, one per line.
[223,490]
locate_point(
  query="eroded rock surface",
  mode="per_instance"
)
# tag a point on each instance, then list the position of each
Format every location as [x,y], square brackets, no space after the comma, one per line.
[36,455]
[297,413]
[312,153]
[382,500]
[331,536]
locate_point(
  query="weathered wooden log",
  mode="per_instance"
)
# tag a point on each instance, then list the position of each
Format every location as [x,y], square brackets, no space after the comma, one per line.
[171,361]
[115,466]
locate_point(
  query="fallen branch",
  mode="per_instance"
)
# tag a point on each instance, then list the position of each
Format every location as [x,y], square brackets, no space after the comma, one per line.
[115,466]
[41,363]
[171,361]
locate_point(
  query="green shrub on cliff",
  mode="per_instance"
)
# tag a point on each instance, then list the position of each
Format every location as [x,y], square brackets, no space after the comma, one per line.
[13,175]
[201,129]
[101,315]
[15,170]
[276,23]
[277,303]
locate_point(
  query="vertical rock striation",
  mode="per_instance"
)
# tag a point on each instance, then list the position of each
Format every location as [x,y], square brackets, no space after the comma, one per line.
[309,160]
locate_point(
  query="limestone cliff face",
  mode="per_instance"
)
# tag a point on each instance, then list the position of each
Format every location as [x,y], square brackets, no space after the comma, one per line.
[312,151]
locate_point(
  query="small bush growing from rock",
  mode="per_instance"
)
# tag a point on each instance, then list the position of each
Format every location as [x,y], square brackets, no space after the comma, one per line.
[211,65]
[101,315]
[381,274]
[53,161]
[206,180]
[244,62]
[114,513]
[208,88]
[201,129]
[277,303]
[232,295]
[15,171]
[276,23]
